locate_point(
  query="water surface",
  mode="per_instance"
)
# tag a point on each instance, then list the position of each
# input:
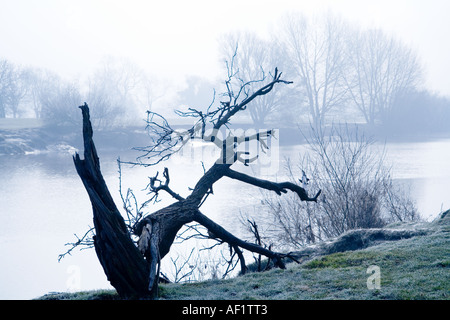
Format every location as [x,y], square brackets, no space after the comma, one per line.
[43,204]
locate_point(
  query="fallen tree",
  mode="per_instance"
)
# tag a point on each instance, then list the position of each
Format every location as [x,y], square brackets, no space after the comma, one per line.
[133,268]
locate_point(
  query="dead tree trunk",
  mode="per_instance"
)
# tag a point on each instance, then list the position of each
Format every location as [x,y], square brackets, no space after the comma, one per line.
[134,269]
[122,262]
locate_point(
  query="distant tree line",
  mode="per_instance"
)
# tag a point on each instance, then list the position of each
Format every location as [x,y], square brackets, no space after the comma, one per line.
[341,72]
[118,89]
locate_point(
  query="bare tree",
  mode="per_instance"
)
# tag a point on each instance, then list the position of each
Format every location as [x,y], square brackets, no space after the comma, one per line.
[381,69]
[13,88]
[150,89]
[252,57]
[57,105]
[134,270]
[43,86]
[358,190]
[6,70]
[355,174]
[113,89]
[18,89]
[315,49]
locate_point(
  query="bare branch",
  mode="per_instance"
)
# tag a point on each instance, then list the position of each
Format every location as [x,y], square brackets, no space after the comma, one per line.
[273,186]
[231,110]
[166,141]
[178,277]
[86,242]
[154,189]
[193,232]
[134,215]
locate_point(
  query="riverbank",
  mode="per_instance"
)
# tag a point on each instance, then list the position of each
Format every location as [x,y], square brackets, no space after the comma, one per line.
[415,267]
[31,136]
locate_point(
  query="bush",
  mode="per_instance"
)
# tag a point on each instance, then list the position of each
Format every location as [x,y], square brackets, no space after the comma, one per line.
[357,191]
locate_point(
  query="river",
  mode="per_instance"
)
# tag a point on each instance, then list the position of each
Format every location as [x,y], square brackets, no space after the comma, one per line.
[43,204]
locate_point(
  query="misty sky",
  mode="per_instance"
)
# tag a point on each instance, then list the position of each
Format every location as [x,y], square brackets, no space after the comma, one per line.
[174,38]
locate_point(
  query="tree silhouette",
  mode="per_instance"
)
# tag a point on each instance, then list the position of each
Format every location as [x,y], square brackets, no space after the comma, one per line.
[133,268]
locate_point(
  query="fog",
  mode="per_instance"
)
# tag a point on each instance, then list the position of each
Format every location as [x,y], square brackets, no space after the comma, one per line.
[162,47]
[174,38]
[380,66]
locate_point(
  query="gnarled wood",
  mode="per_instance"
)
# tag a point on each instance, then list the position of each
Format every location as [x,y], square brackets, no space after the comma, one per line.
[134,270]
[124,266]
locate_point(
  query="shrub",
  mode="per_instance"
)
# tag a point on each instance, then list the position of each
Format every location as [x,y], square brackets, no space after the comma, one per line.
[357,191]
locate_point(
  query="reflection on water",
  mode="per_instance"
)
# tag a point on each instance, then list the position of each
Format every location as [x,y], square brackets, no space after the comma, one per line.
[43,203]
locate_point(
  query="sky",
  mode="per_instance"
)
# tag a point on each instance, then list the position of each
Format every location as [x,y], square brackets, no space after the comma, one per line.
[173,38]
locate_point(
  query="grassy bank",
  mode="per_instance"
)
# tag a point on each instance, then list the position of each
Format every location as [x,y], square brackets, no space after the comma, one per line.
[414,268]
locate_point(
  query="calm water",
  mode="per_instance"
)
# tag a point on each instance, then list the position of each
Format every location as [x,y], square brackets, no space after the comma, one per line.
[43,204]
